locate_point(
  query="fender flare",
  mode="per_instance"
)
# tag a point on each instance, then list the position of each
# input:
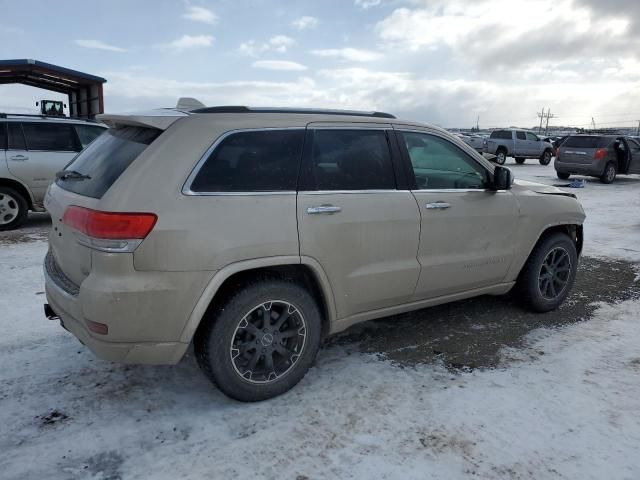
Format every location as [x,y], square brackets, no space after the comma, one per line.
[220,276]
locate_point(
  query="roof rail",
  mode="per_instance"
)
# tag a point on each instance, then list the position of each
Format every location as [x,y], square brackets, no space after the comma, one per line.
[307,111]
[51,117]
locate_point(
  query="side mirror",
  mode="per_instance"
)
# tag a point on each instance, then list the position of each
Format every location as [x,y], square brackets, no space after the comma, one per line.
[502,178]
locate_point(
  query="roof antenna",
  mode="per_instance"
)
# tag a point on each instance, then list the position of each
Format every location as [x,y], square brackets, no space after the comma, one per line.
[188,103]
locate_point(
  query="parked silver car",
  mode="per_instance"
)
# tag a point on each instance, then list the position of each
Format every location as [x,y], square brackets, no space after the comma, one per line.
[32,149]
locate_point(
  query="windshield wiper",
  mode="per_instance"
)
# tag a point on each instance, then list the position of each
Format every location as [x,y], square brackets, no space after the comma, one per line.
[71,175]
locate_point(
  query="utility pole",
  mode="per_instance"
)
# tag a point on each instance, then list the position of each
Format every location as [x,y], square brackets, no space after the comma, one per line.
[638,129]
[478,123]
[541,115]
[593,123]
[549,115]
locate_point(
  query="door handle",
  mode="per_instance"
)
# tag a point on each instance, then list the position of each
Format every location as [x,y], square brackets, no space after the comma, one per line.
[323,209]
[437,205]
[19,158]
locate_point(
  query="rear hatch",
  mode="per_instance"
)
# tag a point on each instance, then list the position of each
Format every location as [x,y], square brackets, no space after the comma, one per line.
[582,149]
[83,183]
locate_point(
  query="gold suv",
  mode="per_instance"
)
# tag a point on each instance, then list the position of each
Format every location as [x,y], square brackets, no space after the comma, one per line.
[255,233]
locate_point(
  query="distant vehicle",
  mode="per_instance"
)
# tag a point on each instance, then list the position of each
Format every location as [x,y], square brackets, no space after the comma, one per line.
[557,142]
[519,144]
[52,108]
[32,149]
[474,141]
[602,156]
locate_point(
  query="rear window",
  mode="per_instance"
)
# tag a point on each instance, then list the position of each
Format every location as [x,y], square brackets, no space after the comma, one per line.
[586,142]
[501,134]
[253,161]
[106,158]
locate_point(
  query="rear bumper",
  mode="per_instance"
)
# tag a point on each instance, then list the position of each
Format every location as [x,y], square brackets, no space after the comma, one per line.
[594,168]
[144,324]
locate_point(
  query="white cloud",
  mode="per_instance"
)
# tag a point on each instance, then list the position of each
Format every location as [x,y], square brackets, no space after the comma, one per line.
[98,45]
[200,14]
[277,43]
[190,41]
[349,54]
[365,4]
[279,65]
[304,22]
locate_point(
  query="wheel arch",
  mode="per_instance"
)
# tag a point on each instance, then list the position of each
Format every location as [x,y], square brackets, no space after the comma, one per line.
[18,187]
[303,270]
[502,148]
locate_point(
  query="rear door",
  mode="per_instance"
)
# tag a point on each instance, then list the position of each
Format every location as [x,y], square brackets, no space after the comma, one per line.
[49,147]
[634,149]
[468,232]
[534,145]
[355,216]
[521,145]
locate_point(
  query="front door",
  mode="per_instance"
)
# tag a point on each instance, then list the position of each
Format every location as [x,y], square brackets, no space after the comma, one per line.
[353,220]
[634,151]
[37,150]
[467,237]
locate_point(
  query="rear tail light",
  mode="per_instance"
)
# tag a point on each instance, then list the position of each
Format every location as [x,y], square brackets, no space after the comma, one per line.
[600,154]
[109,231]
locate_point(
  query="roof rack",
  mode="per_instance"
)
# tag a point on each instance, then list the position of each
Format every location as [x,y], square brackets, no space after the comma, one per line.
[51,117]
[307,111]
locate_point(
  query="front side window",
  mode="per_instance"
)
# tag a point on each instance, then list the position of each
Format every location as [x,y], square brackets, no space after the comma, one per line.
[439,164]
[252,161]
[53,137]
[521,136]
[15,137]
[531,136]
[350,160]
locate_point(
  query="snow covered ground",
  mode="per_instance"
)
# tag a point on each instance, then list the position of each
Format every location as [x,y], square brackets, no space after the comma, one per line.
[563,406]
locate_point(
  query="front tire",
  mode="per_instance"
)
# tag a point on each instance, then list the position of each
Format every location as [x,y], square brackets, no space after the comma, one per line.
[609,174]
[261,341]
[545,159]
[13,209]
[549,274]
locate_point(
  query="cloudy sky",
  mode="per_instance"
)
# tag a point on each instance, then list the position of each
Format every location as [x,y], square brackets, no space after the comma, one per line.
[439,61]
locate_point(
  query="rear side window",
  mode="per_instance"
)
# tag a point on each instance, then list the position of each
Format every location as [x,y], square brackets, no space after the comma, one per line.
[350,160]
[53,137]
[521,136]
[252,161]
[501,134]
[3,136]
[587,142]
[106,158]
[88,134]
[15,136]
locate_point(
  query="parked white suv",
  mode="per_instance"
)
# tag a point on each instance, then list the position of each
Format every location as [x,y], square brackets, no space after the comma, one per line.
[32,149]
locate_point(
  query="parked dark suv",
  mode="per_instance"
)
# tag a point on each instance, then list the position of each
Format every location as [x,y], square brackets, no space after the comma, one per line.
[602,156]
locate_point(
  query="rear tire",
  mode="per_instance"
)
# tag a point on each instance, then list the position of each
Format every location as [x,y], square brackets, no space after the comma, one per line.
[520,160]
[501,156]
[545,159]
[563,175]
[251,357]
[609,174]
[13,209]
[548,276]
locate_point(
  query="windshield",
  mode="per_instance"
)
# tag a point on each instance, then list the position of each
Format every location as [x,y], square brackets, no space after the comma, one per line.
[104,160]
